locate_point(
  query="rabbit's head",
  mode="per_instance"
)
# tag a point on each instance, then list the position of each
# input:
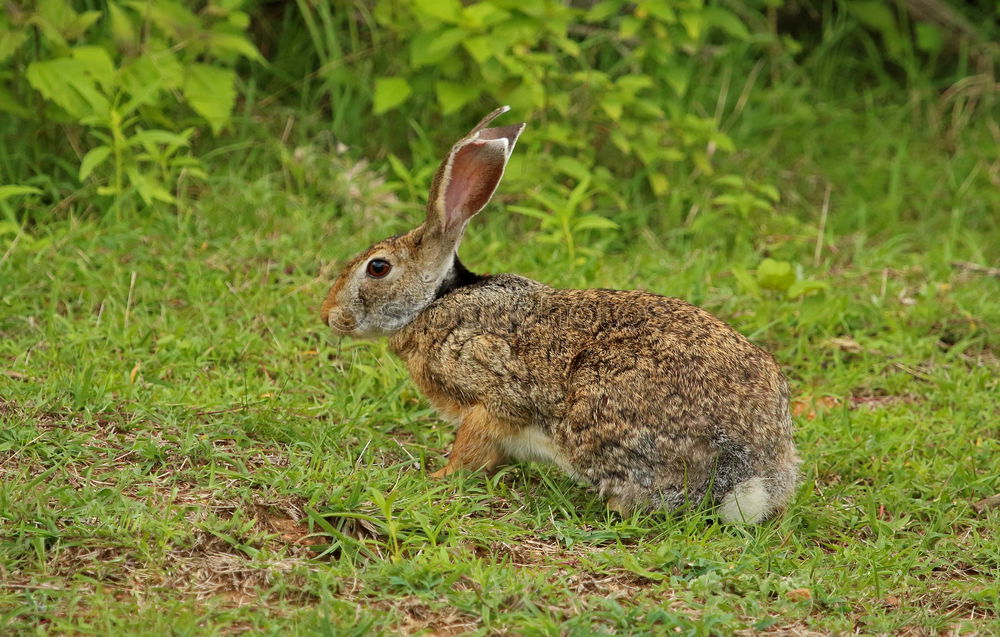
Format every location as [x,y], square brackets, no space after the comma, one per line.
[386,286]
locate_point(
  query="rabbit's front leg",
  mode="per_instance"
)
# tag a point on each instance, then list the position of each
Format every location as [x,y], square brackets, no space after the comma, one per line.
[478,443]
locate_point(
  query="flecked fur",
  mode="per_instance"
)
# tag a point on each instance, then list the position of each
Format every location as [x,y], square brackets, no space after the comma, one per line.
[653,401]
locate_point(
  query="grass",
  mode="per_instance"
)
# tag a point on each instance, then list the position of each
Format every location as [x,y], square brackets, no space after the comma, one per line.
[184,448]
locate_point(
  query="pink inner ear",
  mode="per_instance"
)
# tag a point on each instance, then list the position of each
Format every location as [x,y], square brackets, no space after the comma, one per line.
[476,170]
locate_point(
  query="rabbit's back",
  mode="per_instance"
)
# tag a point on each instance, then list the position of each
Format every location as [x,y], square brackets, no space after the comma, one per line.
[636,392]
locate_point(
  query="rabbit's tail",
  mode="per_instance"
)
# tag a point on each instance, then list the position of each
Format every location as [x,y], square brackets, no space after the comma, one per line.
[761,497]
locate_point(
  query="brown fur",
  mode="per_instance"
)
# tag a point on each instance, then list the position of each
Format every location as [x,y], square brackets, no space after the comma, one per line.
[654,401]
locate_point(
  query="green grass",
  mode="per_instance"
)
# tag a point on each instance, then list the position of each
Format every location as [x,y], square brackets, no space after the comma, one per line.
[185,450]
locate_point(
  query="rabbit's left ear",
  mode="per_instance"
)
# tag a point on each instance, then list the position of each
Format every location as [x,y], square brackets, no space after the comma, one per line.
[470,174]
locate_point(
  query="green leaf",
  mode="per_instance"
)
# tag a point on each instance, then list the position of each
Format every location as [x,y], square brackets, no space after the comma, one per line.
[163,137]
[661,10]
[11,41]
[694,22]
[873,13]
[930,38]
[531,212]
[594,222]
[149,188]
[79,25]
[769,191]
[612,105]
[92,160]
[805,286]
[603,10]
[878,16]
[390,92]
[632,84]
[659,183]
[143,79]
[479,47]
[572,167]
[6,192]
[746,281]
[235,43]
[481,15]
[9,227]
[170,17]
[65,82]
[10,104]
[444,10]
[732,181]
[775,275]
[211,93]
[434,47]
[239,19]
[678,78]
[452,96]
[98,65]
[121,25]
[726,21]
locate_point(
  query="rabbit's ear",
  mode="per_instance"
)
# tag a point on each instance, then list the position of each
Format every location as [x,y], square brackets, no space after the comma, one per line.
[469,175]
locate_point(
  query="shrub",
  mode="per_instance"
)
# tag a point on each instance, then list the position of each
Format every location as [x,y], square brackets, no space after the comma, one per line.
[129,82]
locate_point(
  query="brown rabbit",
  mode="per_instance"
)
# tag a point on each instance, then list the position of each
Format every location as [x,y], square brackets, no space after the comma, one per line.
[652,400]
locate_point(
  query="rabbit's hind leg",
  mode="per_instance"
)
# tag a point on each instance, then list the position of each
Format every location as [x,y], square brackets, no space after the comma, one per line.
[478,443]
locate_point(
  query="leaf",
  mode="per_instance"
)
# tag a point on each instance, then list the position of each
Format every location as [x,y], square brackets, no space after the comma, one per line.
[79,25]
[930,38]
[434,47]
[235,43]
[632,84]
[478,47]
[612,105]
[769,191]
[694,22]
[804,287]
[577,195]
[149,188]
[121,25]
[746,281]
[775,275]
[146,76]
[878,16]
[443,10]
[659,183]
[390,92]
[452,96]
[726,21]
[483,14]
[92,160]
[573,167]
[531,212]
[65,82]
[170,17]
[678,78]
[157,136]
[210,92]
[11,41]
[10,104]
[603,10]
[594,222]
[732,181]
[97,63]
[661,10]
[6,192]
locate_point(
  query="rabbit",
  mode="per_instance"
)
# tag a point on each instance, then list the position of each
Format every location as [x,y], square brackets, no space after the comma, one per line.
[653,401]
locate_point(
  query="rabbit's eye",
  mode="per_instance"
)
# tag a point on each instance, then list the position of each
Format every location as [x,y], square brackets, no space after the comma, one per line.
[378,268]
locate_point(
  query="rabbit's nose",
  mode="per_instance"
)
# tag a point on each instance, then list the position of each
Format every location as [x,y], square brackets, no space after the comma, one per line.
[340,321]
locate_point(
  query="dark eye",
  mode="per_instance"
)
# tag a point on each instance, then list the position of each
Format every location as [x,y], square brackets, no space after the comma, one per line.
[377,268]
